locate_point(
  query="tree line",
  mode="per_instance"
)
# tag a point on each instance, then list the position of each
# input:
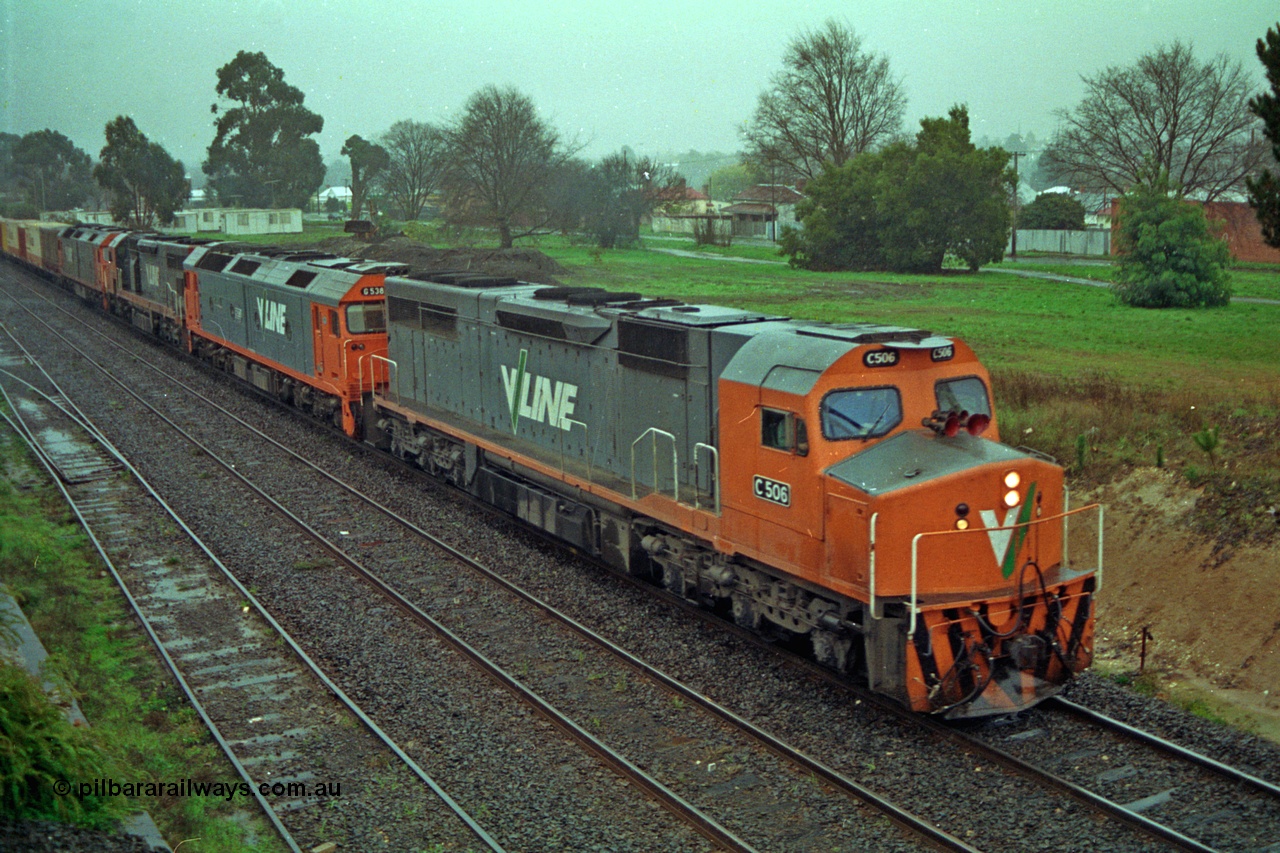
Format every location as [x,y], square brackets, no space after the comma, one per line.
[500,164]
[830,122]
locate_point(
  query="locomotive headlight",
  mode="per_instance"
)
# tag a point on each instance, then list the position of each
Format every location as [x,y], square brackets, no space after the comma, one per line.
[1011,480]
[1012,498]
[962,524]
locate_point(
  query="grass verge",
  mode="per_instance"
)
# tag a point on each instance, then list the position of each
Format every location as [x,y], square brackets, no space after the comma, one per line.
[142,729]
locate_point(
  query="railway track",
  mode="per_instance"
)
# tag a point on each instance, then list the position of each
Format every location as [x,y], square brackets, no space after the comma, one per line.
[460,601]
[278,719]
[520,645]
[1176,796]
[1202,803]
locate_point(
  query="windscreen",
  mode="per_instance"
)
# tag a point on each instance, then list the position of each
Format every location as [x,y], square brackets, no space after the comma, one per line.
[366,318]
[967,394]
[860,412]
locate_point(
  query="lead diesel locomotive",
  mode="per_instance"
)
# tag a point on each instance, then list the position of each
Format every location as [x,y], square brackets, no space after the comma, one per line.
[841,487]
[842,484]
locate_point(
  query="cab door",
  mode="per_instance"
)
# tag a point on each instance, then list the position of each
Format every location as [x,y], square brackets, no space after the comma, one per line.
[328,342]
[319,329]
[787,493]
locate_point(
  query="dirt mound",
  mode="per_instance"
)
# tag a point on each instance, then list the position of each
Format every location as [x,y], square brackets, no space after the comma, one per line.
[524,264]
[1206,607]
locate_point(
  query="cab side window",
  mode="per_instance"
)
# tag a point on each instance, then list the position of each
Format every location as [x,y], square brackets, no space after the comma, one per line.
[782,430]
[776,429]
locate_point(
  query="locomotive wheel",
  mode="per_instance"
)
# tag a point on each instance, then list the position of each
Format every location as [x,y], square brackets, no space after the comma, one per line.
[745,613]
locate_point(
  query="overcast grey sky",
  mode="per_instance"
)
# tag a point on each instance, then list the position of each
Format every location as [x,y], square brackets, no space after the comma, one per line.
[656,76]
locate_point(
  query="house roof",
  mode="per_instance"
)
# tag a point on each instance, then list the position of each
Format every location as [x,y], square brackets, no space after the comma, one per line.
[682,193]
[750,207]
[769,193]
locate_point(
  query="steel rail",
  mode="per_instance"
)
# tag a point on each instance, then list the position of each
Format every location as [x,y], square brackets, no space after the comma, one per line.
[682,808]
[21,429]
[1235,774]
[1115,810]
[477,830]
[902,817]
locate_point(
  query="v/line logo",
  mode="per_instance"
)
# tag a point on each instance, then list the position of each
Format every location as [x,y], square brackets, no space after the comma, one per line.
[271,315]
[537,397]
[1007,538]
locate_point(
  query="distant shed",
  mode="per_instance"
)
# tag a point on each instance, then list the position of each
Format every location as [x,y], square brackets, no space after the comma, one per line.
[287,221]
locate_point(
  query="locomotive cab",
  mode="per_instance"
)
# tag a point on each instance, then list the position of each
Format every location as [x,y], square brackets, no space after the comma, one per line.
[868,463]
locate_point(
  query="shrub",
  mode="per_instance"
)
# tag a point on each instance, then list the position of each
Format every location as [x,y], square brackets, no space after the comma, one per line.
[1169,257]
[39,748]
[1054,211]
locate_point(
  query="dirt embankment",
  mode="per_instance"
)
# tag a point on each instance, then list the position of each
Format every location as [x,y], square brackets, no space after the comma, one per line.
[1213,612]
[522,264]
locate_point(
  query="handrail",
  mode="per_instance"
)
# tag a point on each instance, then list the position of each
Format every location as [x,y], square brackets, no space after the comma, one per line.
[871,562]
[373,374]
[715,473]
[915,551]
[586,438]
[675,462]
[393,368]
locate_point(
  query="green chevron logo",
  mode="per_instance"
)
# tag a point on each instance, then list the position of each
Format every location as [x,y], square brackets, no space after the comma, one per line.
[538,397]
[1007,542]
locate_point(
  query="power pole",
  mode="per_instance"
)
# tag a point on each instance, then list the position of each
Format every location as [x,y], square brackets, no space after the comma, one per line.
[1016,204]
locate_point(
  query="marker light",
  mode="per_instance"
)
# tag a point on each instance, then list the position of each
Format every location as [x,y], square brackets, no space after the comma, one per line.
[1012,498]
[1011,480]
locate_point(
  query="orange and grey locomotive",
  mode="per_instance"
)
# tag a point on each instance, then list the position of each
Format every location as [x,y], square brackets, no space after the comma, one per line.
[840,485]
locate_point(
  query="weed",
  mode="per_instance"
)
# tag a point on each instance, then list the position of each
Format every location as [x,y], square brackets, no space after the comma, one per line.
[1207,440]
[41,748]
[1204,710]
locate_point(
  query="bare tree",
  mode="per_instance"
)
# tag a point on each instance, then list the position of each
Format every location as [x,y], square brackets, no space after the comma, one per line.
[830,102]
[419,158]
[503,157]
[1166,111]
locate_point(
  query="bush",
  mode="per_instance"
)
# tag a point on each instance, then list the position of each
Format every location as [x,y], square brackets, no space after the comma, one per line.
[38,748]
[1054,211]
[1169,257]
[908,207]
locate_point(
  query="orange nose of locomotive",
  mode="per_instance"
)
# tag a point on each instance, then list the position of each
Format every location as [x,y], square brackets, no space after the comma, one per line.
[968,579]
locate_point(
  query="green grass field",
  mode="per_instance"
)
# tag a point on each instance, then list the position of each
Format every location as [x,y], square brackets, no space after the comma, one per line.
[1015,323]
[1099,385]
